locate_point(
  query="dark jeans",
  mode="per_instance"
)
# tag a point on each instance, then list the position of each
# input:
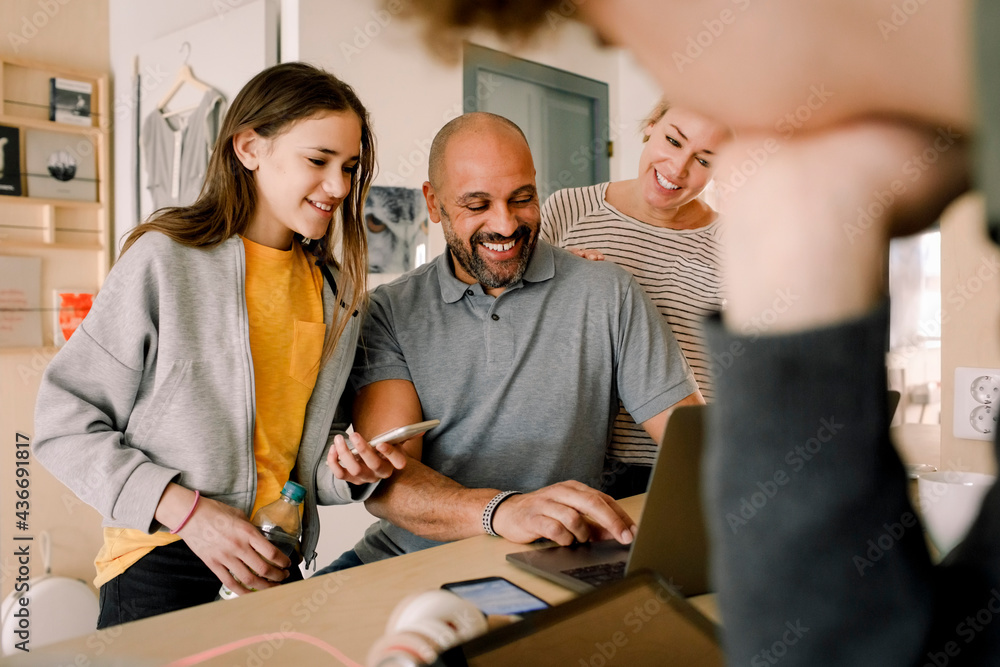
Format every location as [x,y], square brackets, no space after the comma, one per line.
[623,480]
[346,560]
[168,578]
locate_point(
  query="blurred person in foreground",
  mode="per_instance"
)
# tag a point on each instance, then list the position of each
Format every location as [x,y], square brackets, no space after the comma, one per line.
[882,84]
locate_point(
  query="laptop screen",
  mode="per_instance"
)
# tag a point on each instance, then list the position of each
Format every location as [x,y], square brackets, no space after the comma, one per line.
[638,621]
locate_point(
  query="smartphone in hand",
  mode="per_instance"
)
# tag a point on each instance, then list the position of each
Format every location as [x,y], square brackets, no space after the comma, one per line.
[404,433]
[401,434]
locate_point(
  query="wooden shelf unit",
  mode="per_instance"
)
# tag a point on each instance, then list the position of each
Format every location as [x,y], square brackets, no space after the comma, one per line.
[73,237]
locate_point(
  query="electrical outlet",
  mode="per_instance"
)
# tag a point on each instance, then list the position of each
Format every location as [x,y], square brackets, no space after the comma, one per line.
[977,402]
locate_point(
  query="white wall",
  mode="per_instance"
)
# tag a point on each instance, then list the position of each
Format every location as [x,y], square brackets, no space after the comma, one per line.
[970,314]
[133,23]
[225,63]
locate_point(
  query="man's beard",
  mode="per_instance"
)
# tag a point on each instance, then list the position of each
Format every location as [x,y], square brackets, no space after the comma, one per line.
[492,274]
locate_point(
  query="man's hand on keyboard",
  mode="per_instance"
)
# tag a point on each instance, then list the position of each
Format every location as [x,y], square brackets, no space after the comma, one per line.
[566,512]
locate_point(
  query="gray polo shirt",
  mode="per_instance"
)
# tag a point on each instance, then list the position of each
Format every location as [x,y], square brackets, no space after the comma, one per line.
[526,384]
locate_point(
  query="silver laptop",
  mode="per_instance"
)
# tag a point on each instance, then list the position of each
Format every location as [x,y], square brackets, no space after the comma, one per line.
[671,539]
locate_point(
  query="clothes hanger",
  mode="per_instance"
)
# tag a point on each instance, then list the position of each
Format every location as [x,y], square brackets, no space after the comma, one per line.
[184,77]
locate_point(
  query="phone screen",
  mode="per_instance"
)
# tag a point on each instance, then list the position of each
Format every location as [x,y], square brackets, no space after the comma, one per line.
[496,595]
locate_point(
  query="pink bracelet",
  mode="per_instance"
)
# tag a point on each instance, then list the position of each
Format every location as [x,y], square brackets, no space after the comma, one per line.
[197,496]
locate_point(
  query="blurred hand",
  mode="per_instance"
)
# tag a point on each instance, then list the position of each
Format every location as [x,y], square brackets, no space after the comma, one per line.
[823,201]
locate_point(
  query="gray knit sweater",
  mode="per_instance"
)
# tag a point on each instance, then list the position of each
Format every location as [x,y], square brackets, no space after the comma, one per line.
[156,386]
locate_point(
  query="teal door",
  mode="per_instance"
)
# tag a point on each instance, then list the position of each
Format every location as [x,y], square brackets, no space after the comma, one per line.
[563,115]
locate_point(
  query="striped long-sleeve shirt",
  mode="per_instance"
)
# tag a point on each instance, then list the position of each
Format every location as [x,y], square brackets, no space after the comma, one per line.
[679,269]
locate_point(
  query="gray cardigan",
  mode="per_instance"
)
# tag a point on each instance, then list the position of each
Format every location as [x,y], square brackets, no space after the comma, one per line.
[157,386]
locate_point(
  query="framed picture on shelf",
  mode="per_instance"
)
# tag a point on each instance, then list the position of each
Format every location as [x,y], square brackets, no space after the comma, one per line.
[69,306]
[20,301]
[69,101]
[10,161]
[60,165]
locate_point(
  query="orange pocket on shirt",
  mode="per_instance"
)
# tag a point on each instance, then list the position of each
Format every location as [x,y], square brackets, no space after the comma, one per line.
[307,348]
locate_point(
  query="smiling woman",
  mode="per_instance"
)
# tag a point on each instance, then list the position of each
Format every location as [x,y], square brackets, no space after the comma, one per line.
[657,228]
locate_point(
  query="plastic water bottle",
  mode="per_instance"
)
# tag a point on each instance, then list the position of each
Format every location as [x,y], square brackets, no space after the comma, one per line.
[281,525]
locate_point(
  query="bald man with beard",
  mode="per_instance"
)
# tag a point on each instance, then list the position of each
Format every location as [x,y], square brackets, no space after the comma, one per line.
[521,350]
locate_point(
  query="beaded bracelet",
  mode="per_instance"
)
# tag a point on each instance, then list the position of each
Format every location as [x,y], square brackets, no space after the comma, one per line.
[197,496]
[491,508]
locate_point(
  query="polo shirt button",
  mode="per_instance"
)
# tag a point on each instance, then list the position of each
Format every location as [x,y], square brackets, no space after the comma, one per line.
[468,292]
[495,317]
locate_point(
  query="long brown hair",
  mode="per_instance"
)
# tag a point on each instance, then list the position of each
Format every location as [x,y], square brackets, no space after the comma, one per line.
[268,104]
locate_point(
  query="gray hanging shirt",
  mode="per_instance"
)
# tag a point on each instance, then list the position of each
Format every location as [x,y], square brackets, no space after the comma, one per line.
[176,150]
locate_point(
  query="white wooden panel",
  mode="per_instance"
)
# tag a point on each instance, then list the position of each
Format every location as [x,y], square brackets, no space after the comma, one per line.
[226,51]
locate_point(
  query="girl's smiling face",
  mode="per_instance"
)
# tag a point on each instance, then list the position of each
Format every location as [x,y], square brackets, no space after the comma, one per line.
[302,175]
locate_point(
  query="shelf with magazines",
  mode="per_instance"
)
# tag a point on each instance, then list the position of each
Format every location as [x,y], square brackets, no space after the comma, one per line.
[55,196]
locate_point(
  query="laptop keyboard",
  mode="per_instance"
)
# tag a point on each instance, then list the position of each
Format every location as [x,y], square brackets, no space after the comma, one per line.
[598,574]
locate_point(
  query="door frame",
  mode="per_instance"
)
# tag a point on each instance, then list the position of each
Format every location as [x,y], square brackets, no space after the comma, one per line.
[478,59]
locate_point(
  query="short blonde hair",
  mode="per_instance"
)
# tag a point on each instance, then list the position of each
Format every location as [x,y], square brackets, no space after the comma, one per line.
[654,116]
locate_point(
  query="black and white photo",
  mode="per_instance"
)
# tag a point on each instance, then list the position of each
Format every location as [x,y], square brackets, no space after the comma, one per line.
[396,224]
[60,165]
[10,161]
[69,101]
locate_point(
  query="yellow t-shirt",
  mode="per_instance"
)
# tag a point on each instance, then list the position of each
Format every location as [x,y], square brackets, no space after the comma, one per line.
[285,308]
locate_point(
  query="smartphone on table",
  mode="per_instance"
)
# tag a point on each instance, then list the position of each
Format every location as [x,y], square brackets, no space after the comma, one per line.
[496,595]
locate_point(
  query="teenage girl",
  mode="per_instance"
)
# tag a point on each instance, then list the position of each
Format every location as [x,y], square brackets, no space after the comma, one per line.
[210,369]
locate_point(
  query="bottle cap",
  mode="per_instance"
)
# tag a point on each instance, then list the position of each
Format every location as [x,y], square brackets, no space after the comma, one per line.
[295,492]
